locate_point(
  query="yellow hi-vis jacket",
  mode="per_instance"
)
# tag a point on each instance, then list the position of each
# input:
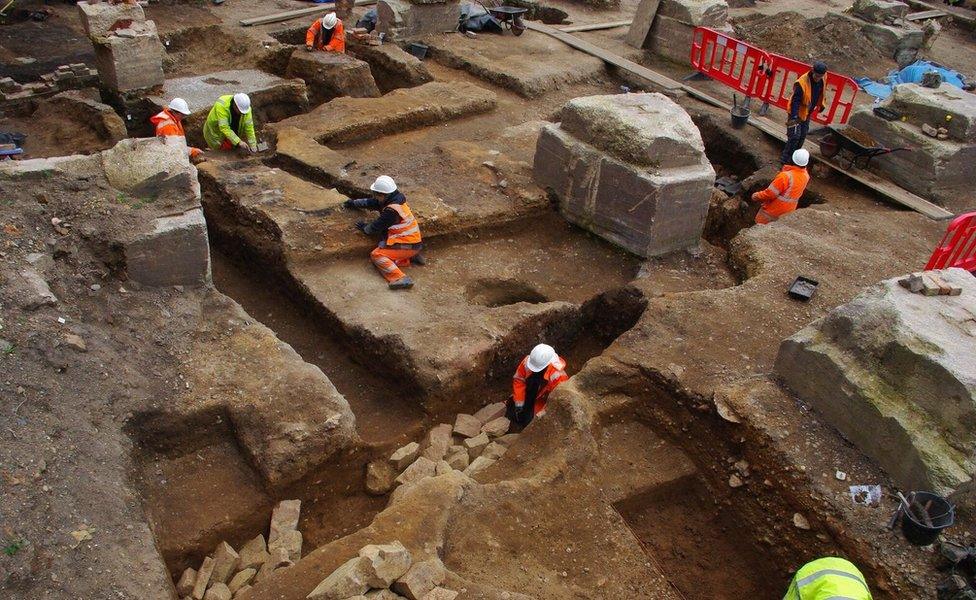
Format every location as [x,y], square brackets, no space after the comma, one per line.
[217,128]
[828,578]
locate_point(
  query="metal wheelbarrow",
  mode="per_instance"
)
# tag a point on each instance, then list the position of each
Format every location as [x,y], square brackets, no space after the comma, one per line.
[854,144]
[509,16]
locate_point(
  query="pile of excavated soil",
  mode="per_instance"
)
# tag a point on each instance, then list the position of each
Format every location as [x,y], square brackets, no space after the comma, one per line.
[838,43]
[53,134]
[198,50]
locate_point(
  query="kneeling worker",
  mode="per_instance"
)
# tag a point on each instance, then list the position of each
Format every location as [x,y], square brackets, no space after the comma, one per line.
[326,34]
[828,578]
[398,227]
[230,125]
[783,194]
[169,123]
[536,377]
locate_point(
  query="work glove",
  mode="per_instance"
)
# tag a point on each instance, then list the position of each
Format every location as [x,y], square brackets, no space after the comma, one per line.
[308,48]
[361,226]
[244,148]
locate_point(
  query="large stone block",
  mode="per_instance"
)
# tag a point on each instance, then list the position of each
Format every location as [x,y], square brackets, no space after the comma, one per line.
[889,39]
[151,168]
[99,19]
[330,75]
[894,372]
[946,106]
[697,13]
[644,192]
[401,20]
[130,59]
[174,252]
[392,66]
[880,11]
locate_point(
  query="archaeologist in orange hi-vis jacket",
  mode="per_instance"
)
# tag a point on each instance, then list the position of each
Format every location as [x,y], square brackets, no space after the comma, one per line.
[536,377]
[399,229]
[326,34]
[169,122]
[783,194]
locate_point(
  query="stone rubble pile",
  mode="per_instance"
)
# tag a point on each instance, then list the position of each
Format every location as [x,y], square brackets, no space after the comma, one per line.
[65,77]
[227,573]
[385,572]
[883,23]
[471,445]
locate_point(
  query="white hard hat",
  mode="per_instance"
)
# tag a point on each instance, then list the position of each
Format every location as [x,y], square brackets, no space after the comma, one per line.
[179,105]
[541,357]
[384,184]
[801,157]
[243,103]
[329,20]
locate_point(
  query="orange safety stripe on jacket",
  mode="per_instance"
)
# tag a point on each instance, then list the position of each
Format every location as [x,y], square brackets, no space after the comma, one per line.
[336,44]
[806,86]
[783,194]
[554,375]
[167,125]
[407,231]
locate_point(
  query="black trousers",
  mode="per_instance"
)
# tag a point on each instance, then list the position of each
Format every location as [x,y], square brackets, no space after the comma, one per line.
[795,136]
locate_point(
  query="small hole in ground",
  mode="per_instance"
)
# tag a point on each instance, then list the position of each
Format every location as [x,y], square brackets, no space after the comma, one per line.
[502,292]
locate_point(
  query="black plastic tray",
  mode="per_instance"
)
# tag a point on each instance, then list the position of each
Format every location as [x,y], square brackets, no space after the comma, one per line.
[803,288]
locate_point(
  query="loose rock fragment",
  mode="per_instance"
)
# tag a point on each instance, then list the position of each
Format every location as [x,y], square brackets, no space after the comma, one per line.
[496,427]
[75,342]
[253,554]
[458,458]
[219,591]
[508,439]
[493,451]
[241,580]
[421,469]
[346,581]
[420,579]
[379,477]
[442,467]
[284,518]
[404,456]
[385,563]
[476,445]
[277,559]
[735,481]
[490,412]
[479,464]
[291,541]
[226,561]
[439,593]
[203,578]
[438,442]
[184,587]
[800,522]
[467,426]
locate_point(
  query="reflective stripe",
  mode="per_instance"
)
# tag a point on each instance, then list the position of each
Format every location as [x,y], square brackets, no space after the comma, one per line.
[789,188]
[768,216]
[824,572]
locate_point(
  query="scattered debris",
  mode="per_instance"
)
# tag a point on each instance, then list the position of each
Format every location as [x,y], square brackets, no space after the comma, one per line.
[928,283]
[800,522]
[865,495]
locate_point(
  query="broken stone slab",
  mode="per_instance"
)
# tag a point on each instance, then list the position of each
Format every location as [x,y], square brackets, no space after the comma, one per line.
[175,251]
[880,11]
[380,477]
[241,579]
[401,20]
[650,205]
[467,426]
[346,120]
[392,66]
[98,20]
[479,464]
[422,577]
[348,580]
[131,62]
[151,168]
[34,291]
[184,586]
[893,372]
[203,578]
[291,541]
[496,427]
[439,593]
[277,559]
[945,106]
[329,75]
[476,445]
[458,458]
[219,591]
[253,554]
[404,456]
[226,561]
[385,563]
[272,98]
[421,468]
[284,518]
[490,412]
[438,442]
[696,13]
[494,451]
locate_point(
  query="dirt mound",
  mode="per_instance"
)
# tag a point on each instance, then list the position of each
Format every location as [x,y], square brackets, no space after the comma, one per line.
[70,123]
[838,43]
[198,50]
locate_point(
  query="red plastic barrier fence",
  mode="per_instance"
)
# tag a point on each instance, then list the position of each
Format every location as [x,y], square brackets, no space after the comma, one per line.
[958,245]
[764,75]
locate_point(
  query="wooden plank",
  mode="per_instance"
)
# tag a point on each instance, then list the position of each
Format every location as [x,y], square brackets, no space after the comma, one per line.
[926,14]
[643,20]
[294,14]
[595,26]
[606,56]
[884,187]
[959,14]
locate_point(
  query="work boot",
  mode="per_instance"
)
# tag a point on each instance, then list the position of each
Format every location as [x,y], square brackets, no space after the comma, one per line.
[419,260]
[404,283]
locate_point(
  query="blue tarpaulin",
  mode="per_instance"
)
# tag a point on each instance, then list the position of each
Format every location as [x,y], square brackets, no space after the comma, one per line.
[910,74]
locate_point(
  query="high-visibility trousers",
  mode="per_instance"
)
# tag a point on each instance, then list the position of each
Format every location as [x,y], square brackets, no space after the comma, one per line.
[389,261]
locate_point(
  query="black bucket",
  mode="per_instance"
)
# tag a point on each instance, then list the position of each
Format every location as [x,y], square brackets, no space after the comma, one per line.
[740,116]
[418,50]
[941,515]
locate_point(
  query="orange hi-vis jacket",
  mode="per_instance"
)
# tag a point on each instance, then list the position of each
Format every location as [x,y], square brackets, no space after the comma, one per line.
[167,125]
[782,195]
[804,82]
[554,375]
[315,35]
[407,231]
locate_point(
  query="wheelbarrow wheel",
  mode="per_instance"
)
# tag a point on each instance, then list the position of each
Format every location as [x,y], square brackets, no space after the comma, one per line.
[829,145]
[518,27]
